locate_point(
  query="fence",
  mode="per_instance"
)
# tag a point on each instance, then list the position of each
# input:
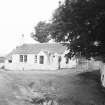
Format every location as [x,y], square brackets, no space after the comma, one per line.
[88,65]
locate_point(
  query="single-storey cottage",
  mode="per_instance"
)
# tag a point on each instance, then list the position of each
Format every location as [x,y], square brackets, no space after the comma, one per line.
[46,56]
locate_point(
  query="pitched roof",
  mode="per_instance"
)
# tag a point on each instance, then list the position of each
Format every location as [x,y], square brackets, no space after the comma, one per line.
[36,48]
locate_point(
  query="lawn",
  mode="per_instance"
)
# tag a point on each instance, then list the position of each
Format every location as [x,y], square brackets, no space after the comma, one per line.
[63,87]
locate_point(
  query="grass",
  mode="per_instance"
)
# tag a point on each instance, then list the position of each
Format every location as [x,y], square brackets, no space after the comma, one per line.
[63,88]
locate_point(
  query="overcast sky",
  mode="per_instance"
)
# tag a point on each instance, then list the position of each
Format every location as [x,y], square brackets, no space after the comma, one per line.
[19,17]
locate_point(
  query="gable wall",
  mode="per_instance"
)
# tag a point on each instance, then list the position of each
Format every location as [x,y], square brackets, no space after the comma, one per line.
[30,64]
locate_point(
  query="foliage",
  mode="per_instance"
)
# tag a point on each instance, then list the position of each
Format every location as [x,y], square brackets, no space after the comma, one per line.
[80,23]
[41,32]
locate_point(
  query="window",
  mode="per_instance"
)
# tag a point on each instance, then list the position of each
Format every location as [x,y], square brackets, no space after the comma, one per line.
[41,59]
[10,61]
[23,58]
[35,59]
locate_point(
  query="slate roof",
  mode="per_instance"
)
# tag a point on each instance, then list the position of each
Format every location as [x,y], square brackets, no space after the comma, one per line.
[36,48]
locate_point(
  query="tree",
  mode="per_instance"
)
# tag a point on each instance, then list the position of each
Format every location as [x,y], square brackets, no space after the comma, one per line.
[81,23]
[41,32]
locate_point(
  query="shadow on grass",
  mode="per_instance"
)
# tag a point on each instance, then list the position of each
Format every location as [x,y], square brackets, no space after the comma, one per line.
[93,77]
[90,75]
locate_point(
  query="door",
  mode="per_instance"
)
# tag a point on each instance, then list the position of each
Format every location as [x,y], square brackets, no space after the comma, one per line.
[41,59]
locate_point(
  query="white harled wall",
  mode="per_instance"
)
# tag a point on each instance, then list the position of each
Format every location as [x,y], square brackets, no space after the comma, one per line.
[49,63]
[71,63]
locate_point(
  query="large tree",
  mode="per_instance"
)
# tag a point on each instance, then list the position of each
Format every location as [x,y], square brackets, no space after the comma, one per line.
[41,33]
[81,23]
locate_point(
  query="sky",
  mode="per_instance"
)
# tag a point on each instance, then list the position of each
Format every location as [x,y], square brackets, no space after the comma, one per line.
[19,17]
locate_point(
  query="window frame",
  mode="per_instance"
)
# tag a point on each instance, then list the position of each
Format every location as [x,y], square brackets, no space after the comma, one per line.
[23,58]
[35,59]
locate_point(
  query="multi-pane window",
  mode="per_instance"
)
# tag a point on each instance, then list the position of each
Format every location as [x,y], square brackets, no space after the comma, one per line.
[35,59]
[23,58]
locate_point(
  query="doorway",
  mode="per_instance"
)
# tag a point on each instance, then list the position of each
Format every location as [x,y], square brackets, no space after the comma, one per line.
[41,60]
